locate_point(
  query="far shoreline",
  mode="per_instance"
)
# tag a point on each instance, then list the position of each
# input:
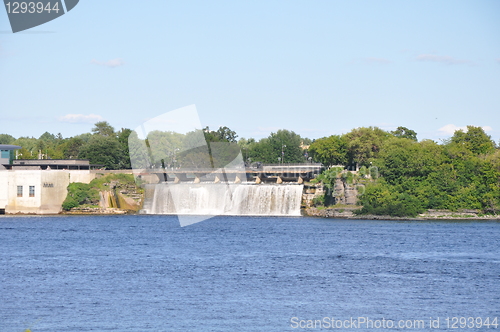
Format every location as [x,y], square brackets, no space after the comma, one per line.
[344,215]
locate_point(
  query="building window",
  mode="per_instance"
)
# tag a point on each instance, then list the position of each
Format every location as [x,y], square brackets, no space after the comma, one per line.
[32,191]
[19,191]
[5,154]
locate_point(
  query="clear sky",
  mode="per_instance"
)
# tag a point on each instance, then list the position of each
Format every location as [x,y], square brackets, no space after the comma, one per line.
[315,67]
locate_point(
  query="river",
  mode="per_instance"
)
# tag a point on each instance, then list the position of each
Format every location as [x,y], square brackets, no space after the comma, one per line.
[146,273]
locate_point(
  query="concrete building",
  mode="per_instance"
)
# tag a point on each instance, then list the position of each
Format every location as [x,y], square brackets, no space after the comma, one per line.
[7,154]
[39,186]
[47,164]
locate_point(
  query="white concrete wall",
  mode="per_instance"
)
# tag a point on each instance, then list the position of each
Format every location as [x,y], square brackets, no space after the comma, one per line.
[24,204]
[4,188]
[53,190]
[81,176]
[50,189]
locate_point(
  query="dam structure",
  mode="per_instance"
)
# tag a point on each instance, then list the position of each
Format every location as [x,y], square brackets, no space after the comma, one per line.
[268,190]
[221,199]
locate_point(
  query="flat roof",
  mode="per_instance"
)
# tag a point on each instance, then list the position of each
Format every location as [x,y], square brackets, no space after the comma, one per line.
[9,147]
[51,162]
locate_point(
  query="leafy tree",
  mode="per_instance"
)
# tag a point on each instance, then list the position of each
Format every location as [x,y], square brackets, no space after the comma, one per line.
[46,136]
[402,158]
[103,128]
[226,134]
[71,148]
[245,145]
[123,136]
[104,150]
[29,147]
[6,139]
[381,199]
[284,144]
[306,141]
[474,139]
[365,144]
[404,132]
[263,151]
[330,150]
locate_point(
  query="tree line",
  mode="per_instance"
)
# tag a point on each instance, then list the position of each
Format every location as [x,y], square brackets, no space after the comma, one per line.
[461,173]
[104,146]
[109,147]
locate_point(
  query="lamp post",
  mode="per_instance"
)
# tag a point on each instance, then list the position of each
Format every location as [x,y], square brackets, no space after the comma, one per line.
[283,146]
[173,159]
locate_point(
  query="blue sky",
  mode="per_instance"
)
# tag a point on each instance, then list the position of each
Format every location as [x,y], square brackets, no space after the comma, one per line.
[315,67]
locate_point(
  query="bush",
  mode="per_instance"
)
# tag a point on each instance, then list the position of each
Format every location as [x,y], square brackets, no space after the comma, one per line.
[69,203]
[380,200]
[319,201]
[81,193]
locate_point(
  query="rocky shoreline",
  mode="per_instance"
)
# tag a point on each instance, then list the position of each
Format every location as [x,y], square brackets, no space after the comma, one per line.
[347,213]
[329,213]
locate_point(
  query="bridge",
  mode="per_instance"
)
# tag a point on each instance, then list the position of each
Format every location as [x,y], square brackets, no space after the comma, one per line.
[264,173]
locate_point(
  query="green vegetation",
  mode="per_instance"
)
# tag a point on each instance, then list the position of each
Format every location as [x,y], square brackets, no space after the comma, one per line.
[330,150]
[401,175]
[461,173]
[82,194]
[284,146]
[104,146]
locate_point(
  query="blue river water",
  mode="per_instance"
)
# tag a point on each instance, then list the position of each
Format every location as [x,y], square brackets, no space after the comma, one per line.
[146,273]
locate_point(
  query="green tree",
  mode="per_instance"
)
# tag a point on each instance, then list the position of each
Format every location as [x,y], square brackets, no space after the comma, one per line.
[226,134]
[365,144]
[246,145]
[29,147]
[6,139]
[330,150]
[401,159]
[263,151]
[123,136]
[474,139]
[104,150]
[403,132]
[46,136]
[283,144]
[382,199]
[71,147]
[103,128]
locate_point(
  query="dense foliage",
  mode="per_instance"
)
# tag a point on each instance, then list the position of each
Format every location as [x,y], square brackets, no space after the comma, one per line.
[88,194]
[463,173]
[198,149]
[104,146]
[460,173]
[284,146]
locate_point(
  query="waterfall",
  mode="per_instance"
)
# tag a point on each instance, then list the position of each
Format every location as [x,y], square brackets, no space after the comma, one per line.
[223,199]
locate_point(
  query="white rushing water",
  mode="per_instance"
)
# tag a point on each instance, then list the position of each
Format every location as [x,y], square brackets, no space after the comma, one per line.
[223,199]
